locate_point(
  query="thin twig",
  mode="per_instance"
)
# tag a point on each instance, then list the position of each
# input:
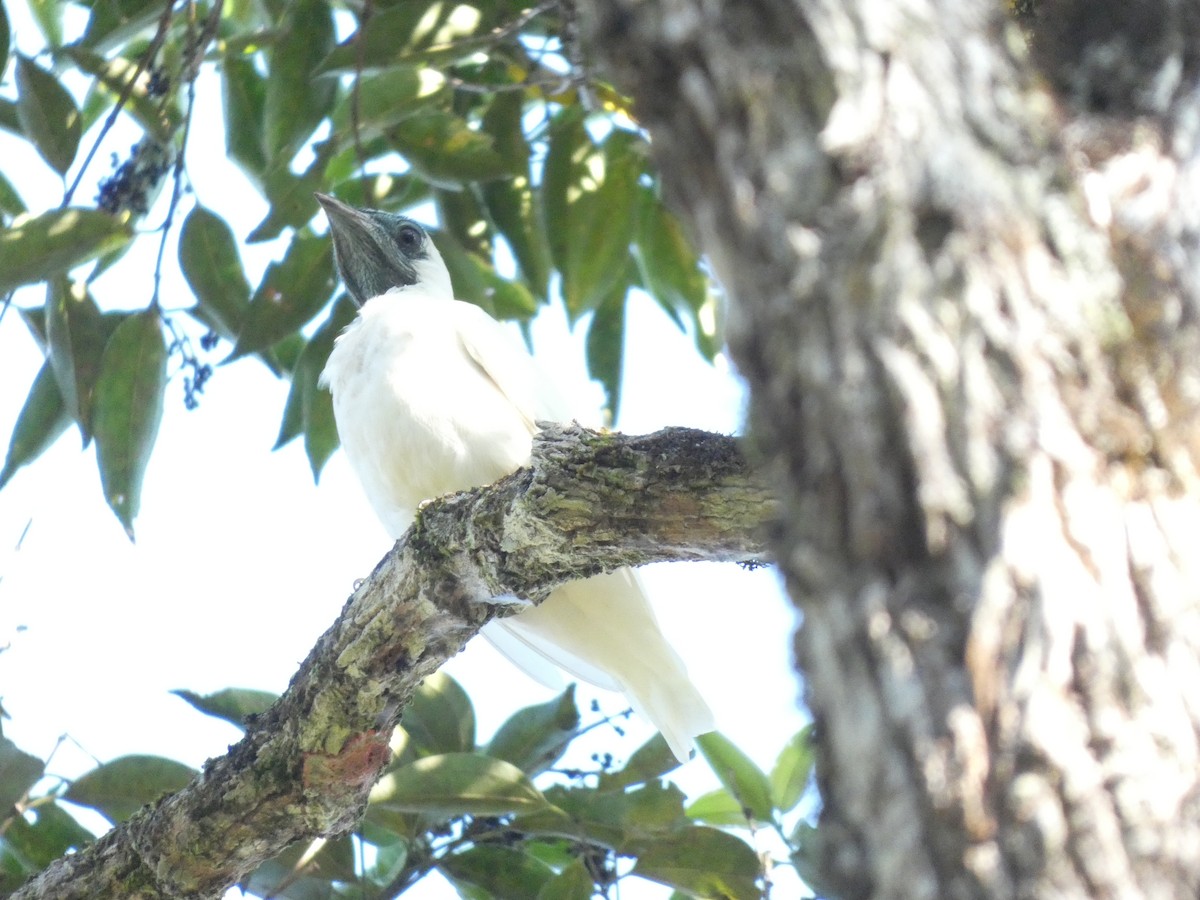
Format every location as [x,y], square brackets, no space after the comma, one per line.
[176,191]
[143,61]
[188,70]
[502,31]
[548,85]
[573,52]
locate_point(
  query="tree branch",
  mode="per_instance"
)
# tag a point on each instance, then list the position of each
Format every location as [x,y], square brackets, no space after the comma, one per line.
[588,502]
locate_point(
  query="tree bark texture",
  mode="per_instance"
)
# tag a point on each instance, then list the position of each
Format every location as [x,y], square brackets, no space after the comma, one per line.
[588,502]
[962,260]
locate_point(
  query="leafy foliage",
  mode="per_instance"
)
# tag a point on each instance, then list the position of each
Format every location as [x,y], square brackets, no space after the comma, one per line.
[535,170]
[475,113]
[499,819]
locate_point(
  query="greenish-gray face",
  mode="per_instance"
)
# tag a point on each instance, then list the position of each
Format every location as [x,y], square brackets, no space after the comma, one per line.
[375,251]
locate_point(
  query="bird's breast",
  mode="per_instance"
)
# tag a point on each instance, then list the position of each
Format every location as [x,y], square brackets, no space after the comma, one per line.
[416,416]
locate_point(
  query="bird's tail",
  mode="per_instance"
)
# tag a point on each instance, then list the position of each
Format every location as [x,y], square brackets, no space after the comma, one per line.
[603,630]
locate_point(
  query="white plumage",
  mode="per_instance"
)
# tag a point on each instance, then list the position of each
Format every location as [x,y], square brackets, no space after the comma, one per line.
[431,396]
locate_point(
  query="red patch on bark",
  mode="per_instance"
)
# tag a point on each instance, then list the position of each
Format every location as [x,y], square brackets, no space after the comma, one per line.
[357,764]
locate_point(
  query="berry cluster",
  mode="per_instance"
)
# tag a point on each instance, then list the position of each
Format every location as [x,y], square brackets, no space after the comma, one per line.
[133,182]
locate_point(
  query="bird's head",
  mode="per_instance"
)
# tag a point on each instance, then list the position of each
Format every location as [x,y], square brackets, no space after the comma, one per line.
[376,251]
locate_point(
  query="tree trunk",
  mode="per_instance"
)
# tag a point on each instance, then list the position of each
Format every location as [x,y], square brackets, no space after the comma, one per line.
[964,281]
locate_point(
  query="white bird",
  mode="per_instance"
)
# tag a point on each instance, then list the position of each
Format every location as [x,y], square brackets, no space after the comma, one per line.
[431,396]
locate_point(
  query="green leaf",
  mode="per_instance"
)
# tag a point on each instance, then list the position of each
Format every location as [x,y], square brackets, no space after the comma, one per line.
[601,214]
[466,271]
[309,409]
[446,150]
[388,35]
[35,248]
[738,773]
[292,291]
[460,213]
[10,120]
[648,763]
[386,99]
[41,420]
[292,202]
[385,191]
[249,15]
[120,788]
[291,425]
[77,333]
[504,121]
[440,718]
[670,268]
[305,870]
[510,299]
[606,343]
[554,852]
[391,856]
[114,75]
[384,825]
[499,873]
[589,204]
[128,410]
[114,22]
[281,357]
[572,883]
[295,101]
[34,318]
[568,149]
[96,103]
[718,808]
[703,862]
[208,256]
[510,203]
[535,737]
[5,39]
[671,273]
[48,115]
[10,200]
[50,835]
[48,15]
[243,94]
[234,705]
[621,820]
[790,774]
[110,259]
[477,282]
[810,855]
[19,771]
[455,784]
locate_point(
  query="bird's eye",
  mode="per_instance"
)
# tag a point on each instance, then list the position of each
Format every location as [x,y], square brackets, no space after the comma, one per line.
[409,237]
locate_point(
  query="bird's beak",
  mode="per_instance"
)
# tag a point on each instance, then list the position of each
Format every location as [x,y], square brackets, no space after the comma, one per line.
[347,227]
[343,218]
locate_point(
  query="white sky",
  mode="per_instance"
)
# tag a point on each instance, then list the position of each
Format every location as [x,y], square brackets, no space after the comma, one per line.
[241,562]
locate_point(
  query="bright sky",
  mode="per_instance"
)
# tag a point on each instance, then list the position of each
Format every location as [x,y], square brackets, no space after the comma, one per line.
[241,562]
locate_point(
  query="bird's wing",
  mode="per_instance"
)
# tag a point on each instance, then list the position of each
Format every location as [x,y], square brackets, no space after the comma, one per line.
[517,377]
[517,651]
[603,630]
[534,648]
[491,347]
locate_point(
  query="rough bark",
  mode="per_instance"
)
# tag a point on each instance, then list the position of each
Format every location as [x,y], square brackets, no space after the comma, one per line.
[964,292]
[588,502]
